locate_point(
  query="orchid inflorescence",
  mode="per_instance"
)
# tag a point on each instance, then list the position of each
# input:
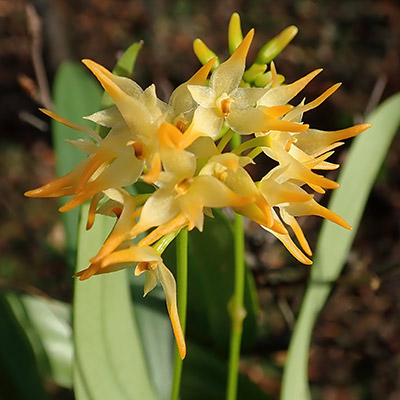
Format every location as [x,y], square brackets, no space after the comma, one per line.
[179,149]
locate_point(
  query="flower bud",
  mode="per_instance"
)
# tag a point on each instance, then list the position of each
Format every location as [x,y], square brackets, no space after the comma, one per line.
[203,53]
[254,72]
[264,79]
[270,50]
[235,36]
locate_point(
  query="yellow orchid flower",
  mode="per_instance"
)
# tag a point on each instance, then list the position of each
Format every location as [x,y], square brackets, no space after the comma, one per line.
[223,100]
[105,168]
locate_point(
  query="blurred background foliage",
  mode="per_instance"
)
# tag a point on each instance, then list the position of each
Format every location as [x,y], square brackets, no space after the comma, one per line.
[355,347]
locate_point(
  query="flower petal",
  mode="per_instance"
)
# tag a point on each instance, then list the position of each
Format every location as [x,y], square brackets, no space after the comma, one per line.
[281,95]
[109,118]
[208,122]
[249,120]
[246,97]
[125,98]
[203,95]
[315,142]
[181,99]
[228,75]
[168,283]
[313,104]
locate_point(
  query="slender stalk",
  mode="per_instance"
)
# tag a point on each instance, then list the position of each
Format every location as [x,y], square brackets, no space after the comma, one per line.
[181,280]
[224,140]
[255,142]
[254,153]
[236,307]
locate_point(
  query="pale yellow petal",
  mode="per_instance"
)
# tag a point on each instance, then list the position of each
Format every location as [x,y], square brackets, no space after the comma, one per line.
[281,193]
[249,120]
[207,121]
[150,283]
[290,246]
[291,221]
[311,207]
[315,141]
[124,100]
[228,75]
[92,210]
[87,146]
[313,104]
[160,208]
[246,97]
[168,283]
[281,95]
[63,186]
[203,95]
[80,128]
[132,254]
[109,118]
[175,224]
[127,85]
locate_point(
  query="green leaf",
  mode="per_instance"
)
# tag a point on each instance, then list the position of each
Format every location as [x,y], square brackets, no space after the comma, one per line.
[211,283]
[156,335]
[363,162]
[49,323]
[110,361]
[76,95]
[20,367]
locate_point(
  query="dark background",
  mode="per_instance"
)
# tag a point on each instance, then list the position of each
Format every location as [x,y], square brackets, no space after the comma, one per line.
[355,351]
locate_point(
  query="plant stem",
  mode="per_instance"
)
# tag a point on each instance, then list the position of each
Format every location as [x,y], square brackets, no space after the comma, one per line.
[236,307]
[181,278]
[224,140]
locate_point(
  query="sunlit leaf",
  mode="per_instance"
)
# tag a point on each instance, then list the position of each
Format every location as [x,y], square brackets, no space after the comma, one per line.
[110,359]
[356,179]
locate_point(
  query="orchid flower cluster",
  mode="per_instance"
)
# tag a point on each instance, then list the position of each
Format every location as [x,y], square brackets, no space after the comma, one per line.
[179,149]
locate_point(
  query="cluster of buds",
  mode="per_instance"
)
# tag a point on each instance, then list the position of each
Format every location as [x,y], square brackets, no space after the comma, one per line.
[178,149]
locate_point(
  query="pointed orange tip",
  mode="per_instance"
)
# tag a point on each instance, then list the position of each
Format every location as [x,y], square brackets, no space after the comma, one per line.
[199,78]
[243,48]
[89,63]
[31,193]
[360,127]
[85,274]
[97,69]
[46,111]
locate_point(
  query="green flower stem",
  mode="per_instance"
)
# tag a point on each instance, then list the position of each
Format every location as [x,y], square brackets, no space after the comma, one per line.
[255,142]
[254,153]
[236,308]
[181,278]
[225,139]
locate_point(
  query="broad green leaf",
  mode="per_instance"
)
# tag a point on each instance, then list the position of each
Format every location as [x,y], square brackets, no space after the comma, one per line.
[204,377]
[211,283]
[20,367]
[76,95]
[48,323]
[362,165]
[109,357]
[156,335]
